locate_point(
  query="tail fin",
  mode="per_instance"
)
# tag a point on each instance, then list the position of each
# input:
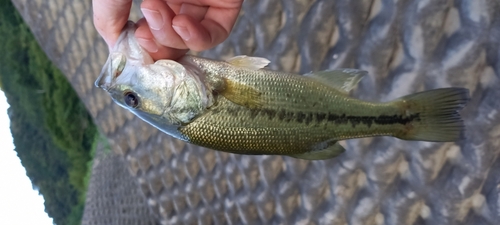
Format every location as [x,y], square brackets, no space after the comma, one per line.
[437,110]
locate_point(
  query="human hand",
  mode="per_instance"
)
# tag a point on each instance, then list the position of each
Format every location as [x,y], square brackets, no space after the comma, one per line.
[170,27]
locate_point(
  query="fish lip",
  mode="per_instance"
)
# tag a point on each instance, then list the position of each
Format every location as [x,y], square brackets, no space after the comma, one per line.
[101,81]
[98,82]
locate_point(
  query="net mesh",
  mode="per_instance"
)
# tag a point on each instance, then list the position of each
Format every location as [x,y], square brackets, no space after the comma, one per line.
[406,46]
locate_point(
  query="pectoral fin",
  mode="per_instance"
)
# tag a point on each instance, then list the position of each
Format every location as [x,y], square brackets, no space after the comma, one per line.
[327,153]
[165,63]
[241,94]
[343,80]
[253,63]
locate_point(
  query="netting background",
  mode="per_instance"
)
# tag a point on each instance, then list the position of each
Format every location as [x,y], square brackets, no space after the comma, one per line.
[405,45]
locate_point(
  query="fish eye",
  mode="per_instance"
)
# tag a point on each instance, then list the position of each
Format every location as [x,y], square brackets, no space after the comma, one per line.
[131,99]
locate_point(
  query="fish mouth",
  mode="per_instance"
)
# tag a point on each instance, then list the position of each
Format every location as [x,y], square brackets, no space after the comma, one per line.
[103,81]
[106,76]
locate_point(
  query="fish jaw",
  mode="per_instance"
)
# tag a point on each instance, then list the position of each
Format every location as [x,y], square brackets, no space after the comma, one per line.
[127,48]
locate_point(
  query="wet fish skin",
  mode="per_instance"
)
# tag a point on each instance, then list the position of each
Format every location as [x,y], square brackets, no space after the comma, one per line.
[313,114]
[238,107]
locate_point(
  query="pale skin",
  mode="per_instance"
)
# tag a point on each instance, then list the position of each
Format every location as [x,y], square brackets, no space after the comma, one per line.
[170,27]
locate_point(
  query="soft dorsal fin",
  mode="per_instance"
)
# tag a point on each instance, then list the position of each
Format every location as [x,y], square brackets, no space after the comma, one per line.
[343,80]
[244,61]
[331,151]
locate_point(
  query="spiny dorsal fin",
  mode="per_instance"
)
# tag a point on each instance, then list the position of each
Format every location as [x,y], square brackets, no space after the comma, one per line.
[241,94]
[253,63]
[343,80]
[330,152]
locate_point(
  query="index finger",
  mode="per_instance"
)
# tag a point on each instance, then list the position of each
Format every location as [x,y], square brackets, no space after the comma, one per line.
[213,29]
[110,16]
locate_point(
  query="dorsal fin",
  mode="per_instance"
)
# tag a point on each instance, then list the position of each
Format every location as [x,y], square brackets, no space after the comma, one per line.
[343,80]
[244,61]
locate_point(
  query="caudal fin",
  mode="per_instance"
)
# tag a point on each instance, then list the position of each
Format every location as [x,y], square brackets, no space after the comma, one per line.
[437,115]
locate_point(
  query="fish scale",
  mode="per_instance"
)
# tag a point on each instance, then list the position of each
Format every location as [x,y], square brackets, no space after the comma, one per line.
[288,95]
[218,125]
[237,106]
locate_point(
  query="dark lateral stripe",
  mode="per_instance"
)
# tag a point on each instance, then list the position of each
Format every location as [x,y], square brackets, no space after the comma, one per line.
[369,120]
[307,118]
[380,120]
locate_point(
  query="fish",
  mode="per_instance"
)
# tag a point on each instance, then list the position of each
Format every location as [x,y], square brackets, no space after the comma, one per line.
[239,106]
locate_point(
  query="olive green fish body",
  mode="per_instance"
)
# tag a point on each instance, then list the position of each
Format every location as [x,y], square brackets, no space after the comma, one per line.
[297,114]
[237,106]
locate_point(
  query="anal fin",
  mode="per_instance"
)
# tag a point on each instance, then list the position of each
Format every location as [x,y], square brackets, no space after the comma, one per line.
[331,151]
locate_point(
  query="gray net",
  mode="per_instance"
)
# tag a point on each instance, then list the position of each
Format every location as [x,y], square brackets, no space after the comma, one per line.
[112,196]
[406,46]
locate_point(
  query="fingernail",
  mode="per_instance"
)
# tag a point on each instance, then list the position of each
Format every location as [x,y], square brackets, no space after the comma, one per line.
[154,18]
[183,32]
[149,45]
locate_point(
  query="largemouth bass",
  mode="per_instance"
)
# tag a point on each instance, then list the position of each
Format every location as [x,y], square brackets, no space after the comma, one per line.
[238,106]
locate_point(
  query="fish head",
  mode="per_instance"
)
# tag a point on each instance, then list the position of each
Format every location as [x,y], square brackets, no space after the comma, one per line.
[123,78]
[162,93]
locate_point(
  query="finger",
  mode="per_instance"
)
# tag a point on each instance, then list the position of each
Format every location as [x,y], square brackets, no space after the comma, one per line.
[224,17]
[212,30]
[174,6]
[195,11]
[212,3]
[146,40]
[110,16]
[159,18]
